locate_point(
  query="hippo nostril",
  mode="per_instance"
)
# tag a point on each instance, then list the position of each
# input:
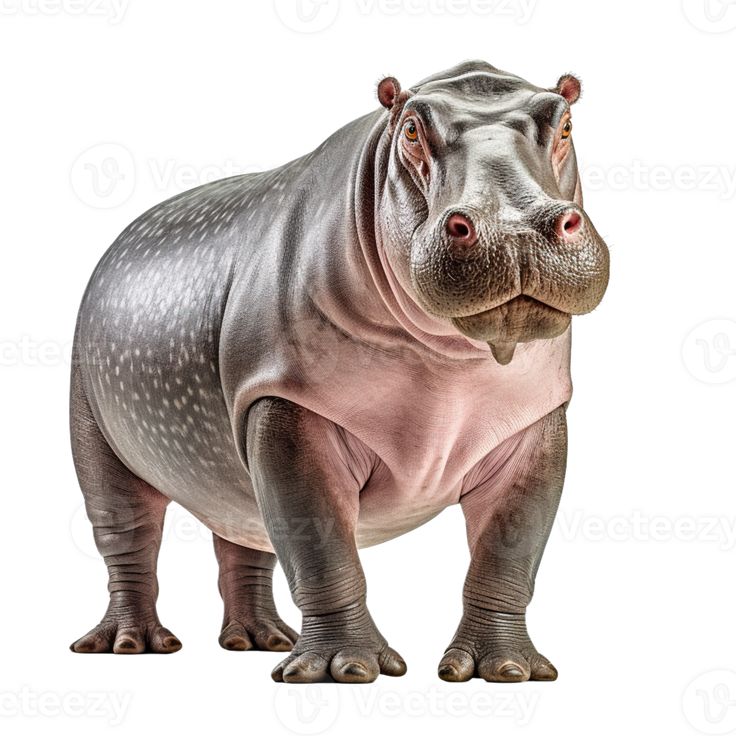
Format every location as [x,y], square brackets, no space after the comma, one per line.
[569,224]
[460,229]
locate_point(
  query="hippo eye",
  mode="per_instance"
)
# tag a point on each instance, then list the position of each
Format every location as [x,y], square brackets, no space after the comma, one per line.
[410,131]
[566,130]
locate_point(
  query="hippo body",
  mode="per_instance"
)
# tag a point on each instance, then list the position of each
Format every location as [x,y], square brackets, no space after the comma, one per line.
[261,323]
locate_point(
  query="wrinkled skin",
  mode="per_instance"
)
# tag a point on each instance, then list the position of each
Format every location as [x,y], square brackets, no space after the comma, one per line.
[324,356]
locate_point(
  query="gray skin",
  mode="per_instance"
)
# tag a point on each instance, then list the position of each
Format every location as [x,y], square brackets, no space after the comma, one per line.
[323,356]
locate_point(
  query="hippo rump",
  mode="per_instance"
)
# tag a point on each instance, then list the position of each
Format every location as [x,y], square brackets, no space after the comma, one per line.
[323,356]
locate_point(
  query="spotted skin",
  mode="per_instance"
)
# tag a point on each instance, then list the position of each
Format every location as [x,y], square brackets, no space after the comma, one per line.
[252,350]
[149,351]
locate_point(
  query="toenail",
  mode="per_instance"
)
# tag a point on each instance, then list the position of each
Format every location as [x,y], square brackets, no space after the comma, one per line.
[354,668]
[448,670]
[511,670]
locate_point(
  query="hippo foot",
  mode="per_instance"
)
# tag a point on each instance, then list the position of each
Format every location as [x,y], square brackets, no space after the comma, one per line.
[499,651]
[241,633]
[347,664]
[128,628]
[326,652]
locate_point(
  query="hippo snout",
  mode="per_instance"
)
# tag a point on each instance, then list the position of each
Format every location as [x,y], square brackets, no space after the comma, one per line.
[564,222]
[472,262]
[505,281]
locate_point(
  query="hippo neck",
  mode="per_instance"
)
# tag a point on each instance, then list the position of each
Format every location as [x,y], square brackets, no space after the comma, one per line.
[434,333]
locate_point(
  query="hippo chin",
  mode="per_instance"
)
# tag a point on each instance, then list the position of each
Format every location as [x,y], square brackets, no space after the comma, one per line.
[519,319]
[324,356]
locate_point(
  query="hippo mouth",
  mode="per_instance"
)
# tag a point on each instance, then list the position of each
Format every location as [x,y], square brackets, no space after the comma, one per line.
[520,319]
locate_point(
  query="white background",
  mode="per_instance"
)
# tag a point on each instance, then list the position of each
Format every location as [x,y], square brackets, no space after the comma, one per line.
[110,108]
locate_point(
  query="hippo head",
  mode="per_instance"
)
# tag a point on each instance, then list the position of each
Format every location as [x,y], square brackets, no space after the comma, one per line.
[480,212]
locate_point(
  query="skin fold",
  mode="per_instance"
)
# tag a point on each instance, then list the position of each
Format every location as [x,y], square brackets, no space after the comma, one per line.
[324,356]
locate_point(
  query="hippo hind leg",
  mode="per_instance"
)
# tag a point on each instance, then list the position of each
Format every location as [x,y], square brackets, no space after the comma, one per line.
[127,516]
[246,586]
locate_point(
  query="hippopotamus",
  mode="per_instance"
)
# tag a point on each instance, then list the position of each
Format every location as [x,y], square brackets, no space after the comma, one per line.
[321,357]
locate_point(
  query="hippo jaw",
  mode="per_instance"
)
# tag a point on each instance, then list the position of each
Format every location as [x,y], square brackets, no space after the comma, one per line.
[481,208]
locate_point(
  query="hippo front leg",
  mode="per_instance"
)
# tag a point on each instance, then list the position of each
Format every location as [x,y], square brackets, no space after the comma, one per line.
[307,486]
[508,518]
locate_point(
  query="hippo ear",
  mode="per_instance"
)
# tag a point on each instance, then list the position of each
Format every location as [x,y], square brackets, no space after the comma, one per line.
[568,85]
[388,91]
